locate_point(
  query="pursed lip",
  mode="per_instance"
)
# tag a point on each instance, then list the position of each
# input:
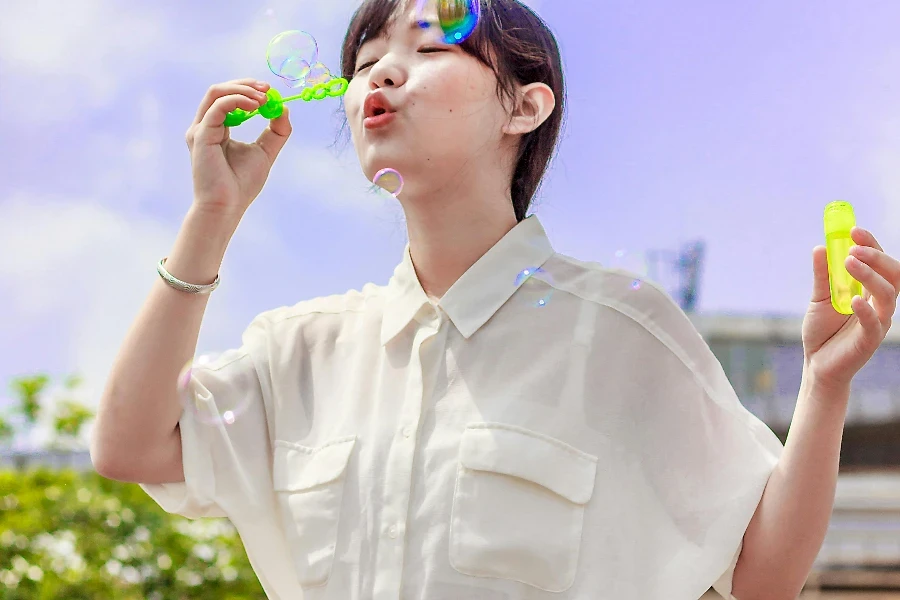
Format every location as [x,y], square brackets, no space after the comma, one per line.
[377,104]
[379,120]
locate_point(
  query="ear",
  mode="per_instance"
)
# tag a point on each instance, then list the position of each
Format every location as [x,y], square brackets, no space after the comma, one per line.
[535,103]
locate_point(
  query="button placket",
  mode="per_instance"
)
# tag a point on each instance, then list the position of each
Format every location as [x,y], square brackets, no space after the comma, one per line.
[398,482]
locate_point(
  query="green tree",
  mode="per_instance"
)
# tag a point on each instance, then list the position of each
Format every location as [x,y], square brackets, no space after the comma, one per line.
[79,536]
[69,418]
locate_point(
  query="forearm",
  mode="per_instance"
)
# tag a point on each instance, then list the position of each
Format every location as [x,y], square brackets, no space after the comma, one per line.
[139,404]
[786,532]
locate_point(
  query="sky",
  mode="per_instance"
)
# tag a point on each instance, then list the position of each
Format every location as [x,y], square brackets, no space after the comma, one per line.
[734,123]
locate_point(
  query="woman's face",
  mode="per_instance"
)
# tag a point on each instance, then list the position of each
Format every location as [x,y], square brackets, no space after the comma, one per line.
[447,115]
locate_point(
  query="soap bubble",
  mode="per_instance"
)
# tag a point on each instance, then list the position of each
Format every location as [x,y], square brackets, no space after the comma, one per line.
[291,55]
[456,19]
[318,73]
[635,263]
[389,180]
[535,287]
[220,409]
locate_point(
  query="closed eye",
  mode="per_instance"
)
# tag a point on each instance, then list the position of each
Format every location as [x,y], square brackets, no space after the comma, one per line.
[364,66]
[427,50]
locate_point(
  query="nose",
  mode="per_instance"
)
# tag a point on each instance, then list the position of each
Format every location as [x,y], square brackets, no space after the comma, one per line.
[386,73]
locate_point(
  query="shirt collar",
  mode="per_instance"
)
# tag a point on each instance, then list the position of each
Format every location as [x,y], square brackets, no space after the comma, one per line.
[481,290]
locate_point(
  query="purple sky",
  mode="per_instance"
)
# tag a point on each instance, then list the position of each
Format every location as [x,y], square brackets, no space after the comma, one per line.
[731,123]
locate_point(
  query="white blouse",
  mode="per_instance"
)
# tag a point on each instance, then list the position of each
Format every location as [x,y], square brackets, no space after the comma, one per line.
[556,434]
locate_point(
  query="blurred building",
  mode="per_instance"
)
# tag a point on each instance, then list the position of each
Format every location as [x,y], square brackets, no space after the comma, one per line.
[763,359]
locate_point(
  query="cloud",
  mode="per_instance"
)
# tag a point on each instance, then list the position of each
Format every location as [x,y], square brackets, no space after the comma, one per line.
[885,168]
[90,49]
[94,267]
[335,181]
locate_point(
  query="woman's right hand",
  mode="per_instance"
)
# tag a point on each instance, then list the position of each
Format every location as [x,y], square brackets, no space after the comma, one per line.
[229,175]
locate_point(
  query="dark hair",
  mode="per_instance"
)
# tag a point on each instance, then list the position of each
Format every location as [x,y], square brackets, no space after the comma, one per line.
[525,51]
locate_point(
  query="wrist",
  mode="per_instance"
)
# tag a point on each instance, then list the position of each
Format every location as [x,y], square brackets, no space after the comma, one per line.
[200,247]
[212,223]
[821,390]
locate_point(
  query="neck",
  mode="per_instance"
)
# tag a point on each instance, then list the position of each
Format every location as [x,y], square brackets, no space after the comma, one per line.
[450,229]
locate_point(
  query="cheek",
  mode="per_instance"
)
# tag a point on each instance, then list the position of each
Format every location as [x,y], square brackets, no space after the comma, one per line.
[452,91]
[352,100]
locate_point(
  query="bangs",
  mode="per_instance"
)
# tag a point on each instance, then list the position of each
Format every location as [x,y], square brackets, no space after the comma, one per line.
[374,17]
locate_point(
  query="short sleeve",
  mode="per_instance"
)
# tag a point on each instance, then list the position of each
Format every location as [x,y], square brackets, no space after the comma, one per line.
[224,455]
[723,584]
[705,459]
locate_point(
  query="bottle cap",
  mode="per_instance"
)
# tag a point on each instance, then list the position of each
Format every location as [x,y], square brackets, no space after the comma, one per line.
[839,217]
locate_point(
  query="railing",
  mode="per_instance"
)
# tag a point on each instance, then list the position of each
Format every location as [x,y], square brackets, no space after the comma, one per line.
[862,546]
[79,460]
[868,406]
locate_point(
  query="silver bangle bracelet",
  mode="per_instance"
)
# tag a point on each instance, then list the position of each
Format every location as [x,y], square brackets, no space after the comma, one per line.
[183,286]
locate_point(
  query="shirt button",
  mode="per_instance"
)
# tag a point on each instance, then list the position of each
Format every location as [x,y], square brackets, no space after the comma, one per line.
[392,531]
[407,431]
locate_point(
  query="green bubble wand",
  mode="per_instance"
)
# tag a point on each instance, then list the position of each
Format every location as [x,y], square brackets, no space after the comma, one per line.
[275,106]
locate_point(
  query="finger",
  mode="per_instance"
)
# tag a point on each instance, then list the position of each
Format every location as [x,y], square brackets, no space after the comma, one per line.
[276,135]
[885,265]
[821,288]
[864,237]
[215,116]
[247,87]
[883,293]
[873,330]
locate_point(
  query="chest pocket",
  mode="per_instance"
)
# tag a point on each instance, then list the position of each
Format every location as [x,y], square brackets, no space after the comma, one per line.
[518,507]
[310,486]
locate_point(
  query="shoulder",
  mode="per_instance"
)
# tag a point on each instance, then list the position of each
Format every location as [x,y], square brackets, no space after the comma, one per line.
[643,306]
[321,313]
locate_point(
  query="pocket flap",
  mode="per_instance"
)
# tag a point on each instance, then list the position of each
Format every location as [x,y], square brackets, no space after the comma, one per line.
[532,456]
[297,467]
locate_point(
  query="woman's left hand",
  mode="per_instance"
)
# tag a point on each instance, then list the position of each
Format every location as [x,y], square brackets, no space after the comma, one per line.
[836,346]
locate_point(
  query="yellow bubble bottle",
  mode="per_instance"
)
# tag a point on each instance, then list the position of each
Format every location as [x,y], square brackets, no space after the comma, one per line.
[839,220]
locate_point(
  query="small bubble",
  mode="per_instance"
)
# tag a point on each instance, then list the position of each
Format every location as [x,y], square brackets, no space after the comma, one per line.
[222,408]
[318,73]
[634,263]
[534,287]
[390,181]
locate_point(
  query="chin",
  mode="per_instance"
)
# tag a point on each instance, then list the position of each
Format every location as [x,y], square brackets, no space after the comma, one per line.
[377,158]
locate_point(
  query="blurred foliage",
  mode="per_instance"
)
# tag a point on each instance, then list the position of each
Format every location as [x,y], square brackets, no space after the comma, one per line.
[73,535]
[29,389]
[79,536]
[69,418]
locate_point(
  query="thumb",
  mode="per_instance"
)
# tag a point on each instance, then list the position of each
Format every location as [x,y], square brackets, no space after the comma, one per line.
[276,135]
[821,288]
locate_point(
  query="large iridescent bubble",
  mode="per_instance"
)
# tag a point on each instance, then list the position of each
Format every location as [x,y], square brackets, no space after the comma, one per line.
[457,19]
[292,55]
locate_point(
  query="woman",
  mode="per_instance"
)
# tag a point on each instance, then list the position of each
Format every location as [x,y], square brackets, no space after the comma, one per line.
[499,421]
